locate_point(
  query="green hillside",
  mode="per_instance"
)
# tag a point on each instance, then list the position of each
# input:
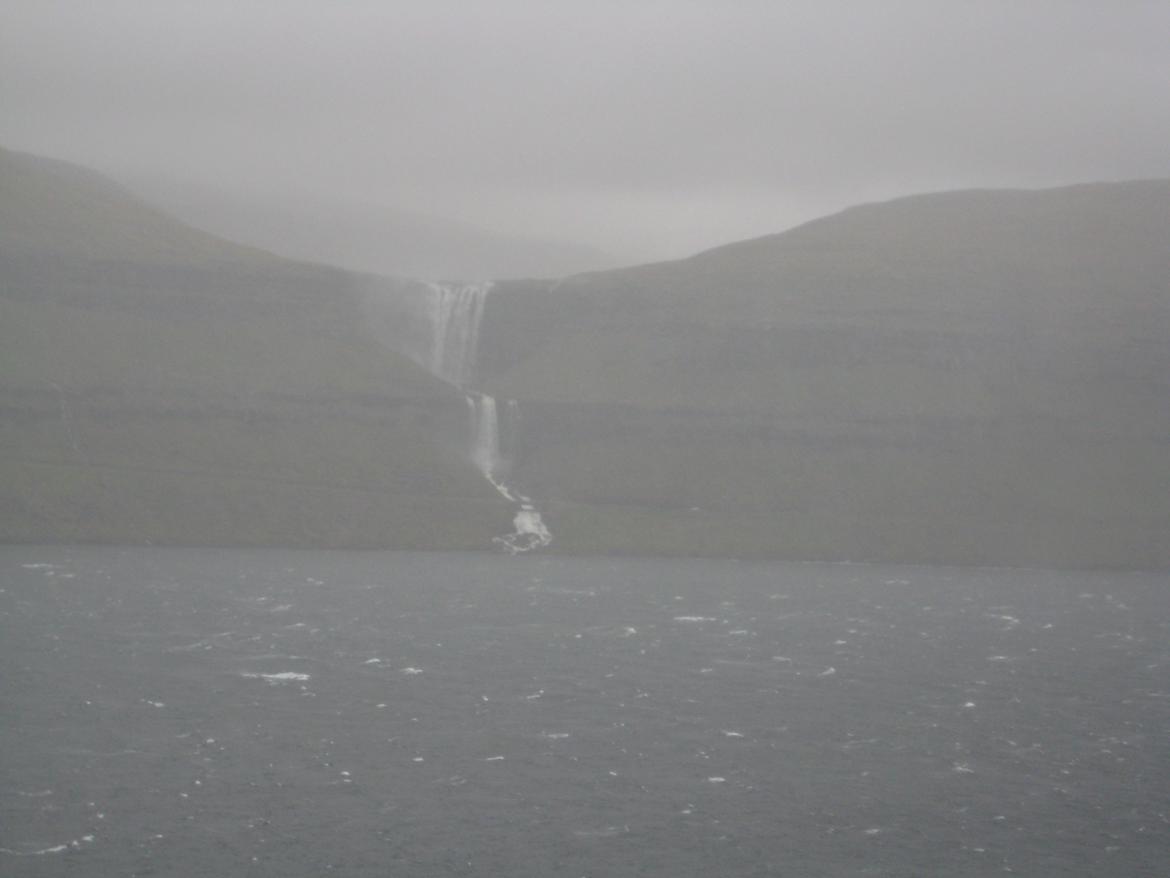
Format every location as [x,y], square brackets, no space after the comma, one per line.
[970,377]
[158,384]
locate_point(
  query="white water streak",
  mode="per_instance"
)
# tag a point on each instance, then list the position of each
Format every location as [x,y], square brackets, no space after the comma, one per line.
[485,433]
[55,849]
[456,314]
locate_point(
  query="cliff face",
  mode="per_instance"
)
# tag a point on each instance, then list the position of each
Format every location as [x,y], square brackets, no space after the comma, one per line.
[972,377]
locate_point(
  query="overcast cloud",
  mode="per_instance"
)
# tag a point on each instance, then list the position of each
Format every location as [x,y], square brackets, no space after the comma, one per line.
[651,128]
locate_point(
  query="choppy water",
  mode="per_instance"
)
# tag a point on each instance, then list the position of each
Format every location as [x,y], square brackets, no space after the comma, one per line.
[187,712]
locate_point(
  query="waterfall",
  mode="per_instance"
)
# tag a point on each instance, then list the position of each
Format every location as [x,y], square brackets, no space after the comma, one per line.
[492,457]
[456,313]
[485,433]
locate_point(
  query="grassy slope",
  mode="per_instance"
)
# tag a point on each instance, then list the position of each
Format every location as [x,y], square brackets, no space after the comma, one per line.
[976,377]
[158,384]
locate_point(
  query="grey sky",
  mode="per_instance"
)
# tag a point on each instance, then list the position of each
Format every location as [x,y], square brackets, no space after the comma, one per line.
[648,127]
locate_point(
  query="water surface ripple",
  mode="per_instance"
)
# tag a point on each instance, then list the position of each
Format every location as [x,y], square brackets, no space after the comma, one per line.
[287,713]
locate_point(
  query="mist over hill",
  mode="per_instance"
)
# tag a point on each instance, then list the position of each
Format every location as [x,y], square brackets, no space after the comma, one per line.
[970,377]
[368,237]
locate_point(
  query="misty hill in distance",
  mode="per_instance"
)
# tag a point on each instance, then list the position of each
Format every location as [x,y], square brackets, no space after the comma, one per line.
[970,377]
[367,237]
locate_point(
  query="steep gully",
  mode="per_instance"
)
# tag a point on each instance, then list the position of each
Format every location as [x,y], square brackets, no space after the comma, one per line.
[456,311]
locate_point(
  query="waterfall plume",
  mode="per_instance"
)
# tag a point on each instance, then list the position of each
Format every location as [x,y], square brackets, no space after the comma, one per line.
[485,433]
[456,314]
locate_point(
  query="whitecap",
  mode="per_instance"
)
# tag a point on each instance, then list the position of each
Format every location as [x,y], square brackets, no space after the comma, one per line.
[281,677]
[606,832]
[55,849]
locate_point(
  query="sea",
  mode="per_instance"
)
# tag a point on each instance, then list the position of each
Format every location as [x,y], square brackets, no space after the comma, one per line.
[197,712]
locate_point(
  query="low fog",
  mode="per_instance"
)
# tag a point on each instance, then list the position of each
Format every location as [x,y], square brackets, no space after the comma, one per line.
[646,129]
[530,438]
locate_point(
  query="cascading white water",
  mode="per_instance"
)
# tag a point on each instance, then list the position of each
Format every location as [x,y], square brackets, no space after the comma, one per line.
[485,432]
[530,529]
[456,314]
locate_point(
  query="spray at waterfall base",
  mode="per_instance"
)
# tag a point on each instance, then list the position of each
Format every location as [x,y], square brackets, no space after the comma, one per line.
[456,312]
